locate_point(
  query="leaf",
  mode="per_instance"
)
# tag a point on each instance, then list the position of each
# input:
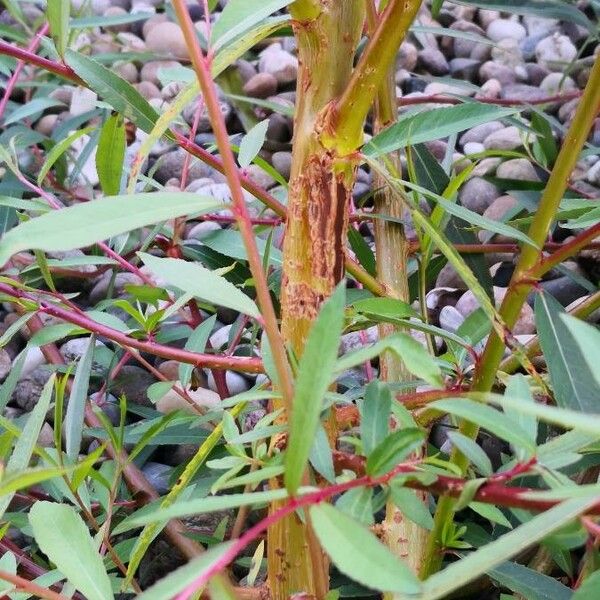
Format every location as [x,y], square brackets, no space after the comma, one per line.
[251,143]
[121,95]
[384,307]
[90,222]
[58,150]
[518,389]
[320,455]
[63,536]
[111,154]
[491,513]
[393,450]
[588,588]
[239,16]
[78,397]
[358,504]
[192,278]
[26,442]
[472,451]
[411,506]
[548,9]
[460,573]
[230,243]
[357,553]
[196,343]
[375,415]
[573,380]
[169,586]
[33,107]
[528,583]
[587,338]
[433,125]
[315,373]
[488,418]
[58,12]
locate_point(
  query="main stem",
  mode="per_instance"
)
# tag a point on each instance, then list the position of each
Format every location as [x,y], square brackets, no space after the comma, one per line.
[520,285]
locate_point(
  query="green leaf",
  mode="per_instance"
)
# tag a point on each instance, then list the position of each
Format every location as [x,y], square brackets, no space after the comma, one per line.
[239,16]
[196,343]
[357,553]
[33,107]
[78,397]
[417,360]
[518,389]
[90,222]
[384,307]
[121,95]
[230,243]
[27,441]
[489,418]
[491,513]
[548,9]
[375,415]
[587,338]
[63,536]
[320,455]
[251,143]
[472,451]
[358,504]
[58,12]
[315,372]
[111,154]
[588,588]
[433,125]
[530,584]
[411,506]
[460,573]
[393,450]
[192,278]
[573,380]
[176,581]
[364,255]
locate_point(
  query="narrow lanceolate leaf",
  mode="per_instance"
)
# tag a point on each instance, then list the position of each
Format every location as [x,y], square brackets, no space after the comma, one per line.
[588,588]
[85,224]
[57,12]
[433,125]
[529,583]
[587,337]
[251,143]
[77,400]
[63,536]
[357,553]
[573,380]
[26,442]
[460,573]
[375,415]
[315,372]
[240,16]
[110,154]
[192,278]
[488,418]
[196,343]
[393,450]
[120,94]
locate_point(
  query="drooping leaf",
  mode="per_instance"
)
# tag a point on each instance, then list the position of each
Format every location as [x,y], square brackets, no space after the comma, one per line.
[30,109]
[120,94]
[110,154]
[240,16]
[573,381]
[518,389]
[63,536]
[358,503]
[74,417]
[90,222]
[251,143]
[393,450]
[320,455]
[58,12]
[357,553]
[375,415]
[472,451]
[488,418]
[196,343]
[432,125]
[384,307]
[412,506]
[192,278]
[587,337]
[315,373]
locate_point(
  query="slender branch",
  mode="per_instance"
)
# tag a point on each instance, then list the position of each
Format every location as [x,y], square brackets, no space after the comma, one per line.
[240,209]
[519,287]
[29,586]
[237,363]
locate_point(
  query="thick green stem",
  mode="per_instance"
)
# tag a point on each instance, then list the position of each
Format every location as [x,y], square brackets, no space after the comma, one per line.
[520,285]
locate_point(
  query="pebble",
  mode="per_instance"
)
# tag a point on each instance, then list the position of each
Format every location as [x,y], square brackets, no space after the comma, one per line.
[133,383]
[407,57]
[557,83]
[29,388]
[450,319]
[480,132]
[236,383]
[282,162]
[261,85]
[279,63]
[166,39]
[517,168]
[473,148]
[150,71]
[555,52]
[477,194]
[539,25]
[497,211]
[507,53]
[493,70]
[158,476]
[5,364]
[501,29]
[357,339]
[202,400]
[508,138]
[433,61]
[593,174]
